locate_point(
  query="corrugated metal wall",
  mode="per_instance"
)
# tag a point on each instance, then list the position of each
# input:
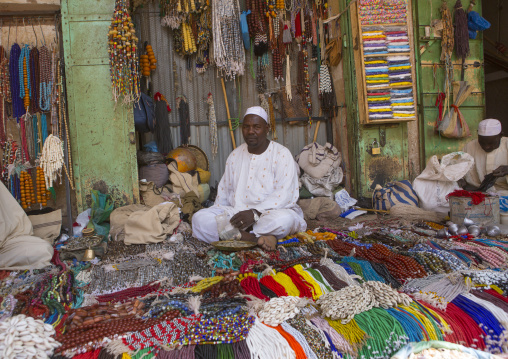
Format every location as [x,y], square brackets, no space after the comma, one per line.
[197,86]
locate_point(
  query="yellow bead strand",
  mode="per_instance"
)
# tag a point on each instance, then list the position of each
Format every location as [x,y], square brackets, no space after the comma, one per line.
[206,283]
[316,292]
[284,280]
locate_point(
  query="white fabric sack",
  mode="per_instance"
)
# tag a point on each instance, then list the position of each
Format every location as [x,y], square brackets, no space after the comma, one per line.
[317,160]
[325,185]
[439,179]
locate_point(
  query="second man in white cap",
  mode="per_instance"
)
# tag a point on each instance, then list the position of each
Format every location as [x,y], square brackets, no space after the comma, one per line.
[490,153]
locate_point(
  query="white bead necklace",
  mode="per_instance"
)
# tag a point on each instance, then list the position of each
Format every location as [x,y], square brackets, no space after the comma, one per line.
[52,159]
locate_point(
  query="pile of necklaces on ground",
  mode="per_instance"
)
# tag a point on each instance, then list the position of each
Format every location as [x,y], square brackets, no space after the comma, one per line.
[33,120]
[385,288]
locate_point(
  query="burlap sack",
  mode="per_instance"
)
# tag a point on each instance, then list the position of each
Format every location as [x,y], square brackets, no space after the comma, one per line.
[151,195]
[119,217]
[47,226]
[152,226]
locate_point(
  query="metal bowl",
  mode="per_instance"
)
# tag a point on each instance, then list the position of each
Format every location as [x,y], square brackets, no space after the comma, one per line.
[462,230]
[453,229]
[474,230]
[493,231]
[443,233]
[468,222]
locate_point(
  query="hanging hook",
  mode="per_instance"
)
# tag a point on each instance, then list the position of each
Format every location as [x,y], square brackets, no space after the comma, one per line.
[33,28]
[56,39]
[9,37]
[17,31]
[24,30]
[42,32]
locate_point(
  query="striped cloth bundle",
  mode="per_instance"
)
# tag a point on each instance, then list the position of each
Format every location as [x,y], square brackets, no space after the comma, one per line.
[397,40]
[399,71]
[376,72]
[379,104]
[402,103]
[374,42]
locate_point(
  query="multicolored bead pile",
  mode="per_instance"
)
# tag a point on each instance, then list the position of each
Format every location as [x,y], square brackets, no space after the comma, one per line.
[327,294]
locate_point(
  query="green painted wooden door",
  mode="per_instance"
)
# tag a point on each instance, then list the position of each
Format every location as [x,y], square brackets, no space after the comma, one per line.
[431,79]
[403,155]
[102,134]
[393,162]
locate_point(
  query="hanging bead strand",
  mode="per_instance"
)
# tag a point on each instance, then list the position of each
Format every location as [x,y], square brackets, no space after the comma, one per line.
[34,80]
[24,73]
[54,93]
[45,84]
[16,82]
[123,59]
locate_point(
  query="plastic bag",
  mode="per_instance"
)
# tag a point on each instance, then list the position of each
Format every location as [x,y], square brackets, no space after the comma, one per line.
[102,206]
[244,27]
[226,230]
[439,179]
[454,125]
[81,222]
[476,23]
[344,200]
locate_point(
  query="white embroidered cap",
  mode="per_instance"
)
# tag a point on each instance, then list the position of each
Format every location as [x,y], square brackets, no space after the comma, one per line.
[257,110]
[489,127]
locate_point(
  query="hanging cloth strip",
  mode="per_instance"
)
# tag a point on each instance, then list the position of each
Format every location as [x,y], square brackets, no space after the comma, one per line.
[162,129]
[183,111]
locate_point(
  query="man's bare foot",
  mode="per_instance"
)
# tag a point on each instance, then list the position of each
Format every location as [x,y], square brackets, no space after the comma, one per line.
[268,243]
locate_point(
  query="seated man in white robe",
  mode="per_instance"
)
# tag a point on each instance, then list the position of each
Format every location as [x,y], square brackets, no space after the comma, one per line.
[258,191]
[490,153]
[18,248]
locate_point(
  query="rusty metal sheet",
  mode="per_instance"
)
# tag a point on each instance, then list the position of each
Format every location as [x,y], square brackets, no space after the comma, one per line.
[392,162]
[102,134]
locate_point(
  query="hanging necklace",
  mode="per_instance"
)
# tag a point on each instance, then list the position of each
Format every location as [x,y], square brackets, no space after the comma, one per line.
[212,120]
[54,94]
[5,90]
[5,93]
[228,51]
[63,119]
[14,72]
[203,39]
[45,84]
[170,15]
[123,59]
[24,73]
[34,80]
[52,160]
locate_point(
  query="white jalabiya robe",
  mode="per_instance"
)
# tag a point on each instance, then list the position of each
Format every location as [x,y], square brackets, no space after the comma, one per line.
[267,182]
[485,163]
[19,249]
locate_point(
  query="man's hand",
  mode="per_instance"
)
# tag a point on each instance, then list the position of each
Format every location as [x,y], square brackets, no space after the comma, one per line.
[243,219]
[501,171]
[462,183]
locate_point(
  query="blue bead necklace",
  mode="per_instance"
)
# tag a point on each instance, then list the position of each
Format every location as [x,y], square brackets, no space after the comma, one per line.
[24,58]
[17,101]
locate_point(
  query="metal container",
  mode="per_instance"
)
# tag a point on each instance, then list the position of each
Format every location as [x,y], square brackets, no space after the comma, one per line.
[483,214]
